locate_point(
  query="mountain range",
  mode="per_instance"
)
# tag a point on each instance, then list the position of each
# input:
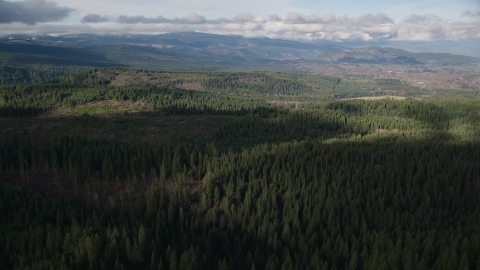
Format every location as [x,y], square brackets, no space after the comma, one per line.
[201,51]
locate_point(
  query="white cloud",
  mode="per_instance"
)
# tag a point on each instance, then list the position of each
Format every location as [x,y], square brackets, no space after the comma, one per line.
[243,18]
[190,19]
[295,17]
[274,17]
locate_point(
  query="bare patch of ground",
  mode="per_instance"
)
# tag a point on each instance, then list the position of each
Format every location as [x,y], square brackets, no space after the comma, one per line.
[381,130]
[311,85]
[100,108]
[296,104]
[191,86]
[377,98]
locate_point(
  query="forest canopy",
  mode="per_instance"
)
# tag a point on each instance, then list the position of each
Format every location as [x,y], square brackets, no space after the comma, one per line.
[124,168]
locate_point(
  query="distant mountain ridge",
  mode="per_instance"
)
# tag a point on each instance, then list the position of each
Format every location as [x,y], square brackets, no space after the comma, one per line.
[200,51]
[378,55]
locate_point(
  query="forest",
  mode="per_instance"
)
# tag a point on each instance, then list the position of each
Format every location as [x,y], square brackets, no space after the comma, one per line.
[119,168]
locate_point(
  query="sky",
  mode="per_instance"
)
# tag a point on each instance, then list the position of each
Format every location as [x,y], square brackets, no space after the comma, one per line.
[334,20]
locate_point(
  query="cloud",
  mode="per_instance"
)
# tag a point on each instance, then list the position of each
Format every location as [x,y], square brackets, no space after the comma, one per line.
[299,18]
[295,17]
[414,18]
[243,18]
[32,11]
[379,18]
[190,19]
[471,14]
[292,25]
[218,21]
[274,18]
[95,18]
[193,18]
[329,18]
[141,19]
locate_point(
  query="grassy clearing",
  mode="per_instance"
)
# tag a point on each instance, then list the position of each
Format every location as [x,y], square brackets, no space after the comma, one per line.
[377,98]
[101,108]
[294,104]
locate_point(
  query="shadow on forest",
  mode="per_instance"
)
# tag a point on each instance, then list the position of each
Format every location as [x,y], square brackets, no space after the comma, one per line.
[425,112]
[345,119]
[373,191]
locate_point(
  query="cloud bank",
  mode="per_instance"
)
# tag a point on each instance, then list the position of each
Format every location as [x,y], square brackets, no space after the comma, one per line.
[310,26]
[193,18]
[292,25]
[95,18]
[32,11]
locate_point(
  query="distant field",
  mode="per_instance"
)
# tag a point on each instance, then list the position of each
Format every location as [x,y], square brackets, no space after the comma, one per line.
[377,98]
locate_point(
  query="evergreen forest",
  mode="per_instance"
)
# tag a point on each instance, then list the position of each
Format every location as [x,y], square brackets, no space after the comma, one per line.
[119,168]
